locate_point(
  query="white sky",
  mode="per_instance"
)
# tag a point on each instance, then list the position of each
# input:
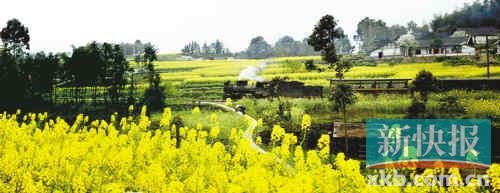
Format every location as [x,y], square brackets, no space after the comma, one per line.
[57,24]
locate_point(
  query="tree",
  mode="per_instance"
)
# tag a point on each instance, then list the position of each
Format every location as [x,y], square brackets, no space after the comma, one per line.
[219,48]
[343,46]
[39,72]
[12,82]
[286,46]
[342,96]
[476,14]
[412,26]
[342,66]
[450,107]
[15,37]
[417,109]
[373,33]
[259,48]
[205,50]
[191,49]
[154,96]
[138,47]
[323,38]
[396,31]
[424,84]
[148,58]
[117,71]
[85,67]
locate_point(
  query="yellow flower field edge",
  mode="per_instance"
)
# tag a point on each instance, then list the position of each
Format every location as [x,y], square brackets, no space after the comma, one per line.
[38,154]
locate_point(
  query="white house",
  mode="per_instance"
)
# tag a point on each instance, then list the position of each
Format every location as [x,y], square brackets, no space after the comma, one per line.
[389,50]
[461,43]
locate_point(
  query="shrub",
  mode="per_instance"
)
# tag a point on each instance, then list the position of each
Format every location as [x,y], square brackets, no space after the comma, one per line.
[450,107]
[309,65]
[154,96]
[424,83]
[455,61]
[416,110]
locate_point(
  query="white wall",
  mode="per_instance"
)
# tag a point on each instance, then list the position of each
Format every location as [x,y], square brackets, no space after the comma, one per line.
[468,50]
[387,52]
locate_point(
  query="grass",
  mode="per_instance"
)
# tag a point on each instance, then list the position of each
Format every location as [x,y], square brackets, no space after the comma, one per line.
[477,104]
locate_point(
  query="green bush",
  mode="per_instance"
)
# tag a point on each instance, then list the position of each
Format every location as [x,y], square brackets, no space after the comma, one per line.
[417,110]
[455,61]
[449,107]
[309,65]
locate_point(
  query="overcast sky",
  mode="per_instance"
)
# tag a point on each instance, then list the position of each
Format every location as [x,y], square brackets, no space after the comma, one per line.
[57,24]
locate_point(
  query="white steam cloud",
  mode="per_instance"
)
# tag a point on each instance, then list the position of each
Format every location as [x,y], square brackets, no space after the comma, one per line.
[253,72]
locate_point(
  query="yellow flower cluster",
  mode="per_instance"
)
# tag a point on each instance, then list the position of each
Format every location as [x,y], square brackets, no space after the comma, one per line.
[494,174]
[40,154]
[324,146]
[229,102]
[306,123]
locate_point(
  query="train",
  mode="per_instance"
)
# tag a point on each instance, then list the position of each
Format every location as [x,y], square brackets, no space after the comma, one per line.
[273,88]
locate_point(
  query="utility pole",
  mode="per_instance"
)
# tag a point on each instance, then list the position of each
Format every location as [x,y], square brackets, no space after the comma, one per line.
[487,57]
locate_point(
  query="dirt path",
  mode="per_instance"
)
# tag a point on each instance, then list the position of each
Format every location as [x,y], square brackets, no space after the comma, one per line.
[249,130]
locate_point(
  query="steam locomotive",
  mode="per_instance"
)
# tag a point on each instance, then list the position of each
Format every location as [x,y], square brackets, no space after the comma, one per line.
[274,88]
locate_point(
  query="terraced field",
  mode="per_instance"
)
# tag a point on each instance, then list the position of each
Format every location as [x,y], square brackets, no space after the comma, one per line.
[204,79]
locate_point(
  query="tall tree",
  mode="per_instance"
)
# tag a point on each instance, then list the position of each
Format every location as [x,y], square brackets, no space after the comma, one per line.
[205,50]
[219,48]
[373,34]
[149,57]
[118,68]
[286,46]
[323,38]
[342,96]
[15,37]
[259,48]
[154,96]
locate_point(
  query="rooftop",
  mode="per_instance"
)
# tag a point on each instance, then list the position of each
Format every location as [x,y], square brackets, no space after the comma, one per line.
[480,31]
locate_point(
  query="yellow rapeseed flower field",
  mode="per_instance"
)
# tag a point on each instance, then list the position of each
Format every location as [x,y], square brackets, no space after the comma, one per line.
[218,71]
[38,154]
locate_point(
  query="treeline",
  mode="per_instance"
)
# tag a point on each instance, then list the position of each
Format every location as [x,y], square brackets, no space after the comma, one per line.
[287,46]
[260,48]
[477,14]
[212,50]
[28,80]
[133,49]
[376,33]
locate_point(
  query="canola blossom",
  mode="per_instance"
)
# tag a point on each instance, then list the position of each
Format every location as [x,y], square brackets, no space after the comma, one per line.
[38,154]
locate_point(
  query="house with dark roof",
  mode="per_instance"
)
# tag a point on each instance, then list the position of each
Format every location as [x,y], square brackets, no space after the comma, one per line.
[463,42]
[449,46]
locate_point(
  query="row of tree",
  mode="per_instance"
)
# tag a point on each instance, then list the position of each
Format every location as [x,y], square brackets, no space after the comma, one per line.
[260,48]
[376,33]
[28,80]
[477,14]
[212,50]
[133,49]
[287,46]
